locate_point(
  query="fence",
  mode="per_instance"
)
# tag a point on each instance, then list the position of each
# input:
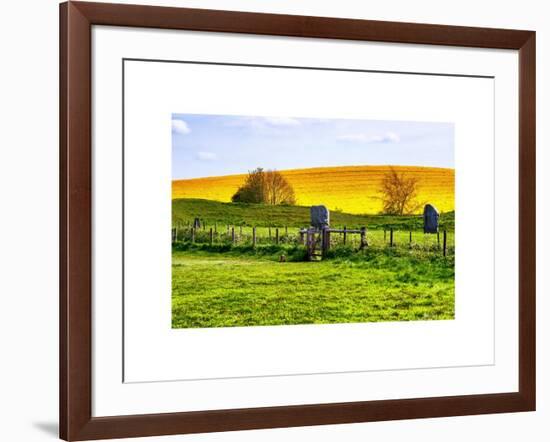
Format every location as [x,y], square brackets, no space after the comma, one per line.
[317,241]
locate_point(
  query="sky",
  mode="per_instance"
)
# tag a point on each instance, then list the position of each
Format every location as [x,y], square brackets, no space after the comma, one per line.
[214,145]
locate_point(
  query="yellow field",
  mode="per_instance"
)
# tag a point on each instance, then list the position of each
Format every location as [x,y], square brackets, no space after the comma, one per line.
[352,189]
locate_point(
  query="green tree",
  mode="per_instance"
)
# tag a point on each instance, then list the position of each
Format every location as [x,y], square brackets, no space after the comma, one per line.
[265,187]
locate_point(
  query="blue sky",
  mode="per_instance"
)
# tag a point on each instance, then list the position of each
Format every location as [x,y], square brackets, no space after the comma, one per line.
[212,145]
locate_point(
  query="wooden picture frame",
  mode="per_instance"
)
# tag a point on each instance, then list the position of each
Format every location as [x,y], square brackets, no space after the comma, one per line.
[76,21]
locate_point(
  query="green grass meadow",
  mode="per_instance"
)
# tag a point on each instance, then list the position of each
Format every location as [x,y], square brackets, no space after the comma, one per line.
[230,283]
[260,215]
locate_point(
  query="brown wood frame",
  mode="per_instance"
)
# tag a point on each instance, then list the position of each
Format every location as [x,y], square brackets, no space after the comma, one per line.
[76,421]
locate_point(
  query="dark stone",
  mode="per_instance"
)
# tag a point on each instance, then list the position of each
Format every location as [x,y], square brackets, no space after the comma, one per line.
[320,216]
[431,219]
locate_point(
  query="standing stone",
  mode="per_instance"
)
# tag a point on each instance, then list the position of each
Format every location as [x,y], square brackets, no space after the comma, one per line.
[320,216]
[431,219]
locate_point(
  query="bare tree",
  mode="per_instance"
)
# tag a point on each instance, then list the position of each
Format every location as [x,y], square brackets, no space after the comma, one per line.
[399,193]
[267,187]
[277,189]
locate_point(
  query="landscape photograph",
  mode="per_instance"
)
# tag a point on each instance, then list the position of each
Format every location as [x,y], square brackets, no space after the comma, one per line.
[278,220]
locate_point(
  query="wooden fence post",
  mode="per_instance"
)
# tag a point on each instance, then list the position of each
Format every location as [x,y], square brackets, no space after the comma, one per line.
[277,235]
[215,228]
[286,230]
[444,243]
[345,234]
[438,243]
[384,235]
[410,238]
[325,240]
[211,236]
[391,237]
[254,236]
[233,235]
[363,238]
[192,234]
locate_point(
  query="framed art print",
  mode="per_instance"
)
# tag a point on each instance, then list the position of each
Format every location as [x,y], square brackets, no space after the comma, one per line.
[272,220]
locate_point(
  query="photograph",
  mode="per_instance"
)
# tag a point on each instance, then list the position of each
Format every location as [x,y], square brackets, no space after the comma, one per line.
[308,221]
[283,220]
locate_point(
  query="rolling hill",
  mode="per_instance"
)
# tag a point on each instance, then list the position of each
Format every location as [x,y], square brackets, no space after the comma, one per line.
[351,189]
[214,212]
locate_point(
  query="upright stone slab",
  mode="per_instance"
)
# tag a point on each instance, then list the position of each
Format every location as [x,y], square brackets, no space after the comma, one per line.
[431,219]
[320,216]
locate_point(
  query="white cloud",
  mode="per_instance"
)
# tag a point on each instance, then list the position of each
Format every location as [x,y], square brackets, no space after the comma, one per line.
[354,137]
[388,137]
[207,156]
[262,122]
[180,127]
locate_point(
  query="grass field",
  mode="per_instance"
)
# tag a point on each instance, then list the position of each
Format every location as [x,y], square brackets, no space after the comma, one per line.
[228,283]
[350,189]
[235,288]
[223,214]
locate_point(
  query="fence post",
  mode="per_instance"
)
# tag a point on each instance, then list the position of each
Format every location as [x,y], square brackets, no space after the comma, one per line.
[363,238]
[384,235]
[444,243]
[215,228]
[410,238]
[286,230]
[233,235]
[438,243]
[254,236]
[192,234]
[211,236]
[391,237]
[325,240]
[345,234]
[277,235]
